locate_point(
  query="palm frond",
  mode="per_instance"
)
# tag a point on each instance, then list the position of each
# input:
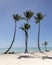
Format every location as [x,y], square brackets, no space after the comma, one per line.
[45,43]
[27,26]
[39,17]
[21,28]
[17,17]
[28,14]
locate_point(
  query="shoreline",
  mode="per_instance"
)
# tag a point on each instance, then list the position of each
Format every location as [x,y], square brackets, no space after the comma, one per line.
[22,49]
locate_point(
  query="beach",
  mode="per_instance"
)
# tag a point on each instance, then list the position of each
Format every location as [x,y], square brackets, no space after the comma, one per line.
[33,58]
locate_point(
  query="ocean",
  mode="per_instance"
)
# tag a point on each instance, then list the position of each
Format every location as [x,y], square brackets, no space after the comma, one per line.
[22,49]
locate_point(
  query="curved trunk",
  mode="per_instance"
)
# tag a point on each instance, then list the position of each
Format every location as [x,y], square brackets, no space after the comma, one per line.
[39,37]
[26,41]
[12,40]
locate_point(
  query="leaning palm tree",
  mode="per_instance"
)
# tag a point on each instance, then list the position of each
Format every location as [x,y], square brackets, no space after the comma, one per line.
[45,44]
[38,18]
[16,18]
[25,28]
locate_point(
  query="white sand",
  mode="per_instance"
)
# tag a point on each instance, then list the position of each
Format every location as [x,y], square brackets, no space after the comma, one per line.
[35,58]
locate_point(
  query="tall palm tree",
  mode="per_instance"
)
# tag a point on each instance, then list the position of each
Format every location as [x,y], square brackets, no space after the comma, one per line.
[45,44]
[38,18]
[16,18]
[27,15]
[25,28]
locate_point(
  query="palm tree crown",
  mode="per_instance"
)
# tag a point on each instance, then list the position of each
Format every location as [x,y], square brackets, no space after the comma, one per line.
[39,17]
[45,43]
[17,17]
[28,14]
[25,27]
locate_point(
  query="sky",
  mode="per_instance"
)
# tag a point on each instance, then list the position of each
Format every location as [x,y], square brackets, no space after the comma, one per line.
[10,7]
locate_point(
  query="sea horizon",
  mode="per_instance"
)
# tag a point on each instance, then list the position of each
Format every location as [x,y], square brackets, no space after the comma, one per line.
[22,49]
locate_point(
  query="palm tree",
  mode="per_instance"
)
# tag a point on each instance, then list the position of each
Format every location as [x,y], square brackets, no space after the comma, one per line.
[45,44]
[25,28]
[27,15]
[38,18]
[16,18]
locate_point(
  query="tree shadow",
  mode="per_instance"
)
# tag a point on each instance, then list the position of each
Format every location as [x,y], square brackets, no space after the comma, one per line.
[29,56]
[46,57]
[43,56]
[24,56]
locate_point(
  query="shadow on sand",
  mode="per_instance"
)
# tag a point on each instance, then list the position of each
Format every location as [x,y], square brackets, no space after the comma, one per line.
[46,57]
[24,56]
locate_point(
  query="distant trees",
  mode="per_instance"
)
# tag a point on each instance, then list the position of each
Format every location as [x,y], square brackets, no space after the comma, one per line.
[45,44]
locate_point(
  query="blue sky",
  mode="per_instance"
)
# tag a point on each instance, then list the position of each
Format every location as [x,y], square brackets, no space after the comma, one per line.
[10,7]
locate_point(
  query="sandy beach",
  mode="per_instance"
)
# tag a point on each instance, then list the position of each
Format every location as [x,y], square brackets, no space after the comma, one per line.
[35,58]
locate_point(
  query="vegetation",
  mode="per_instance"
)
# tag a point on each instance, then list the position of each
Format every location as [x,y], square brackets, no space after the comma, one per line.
[45,44]
[27,16]
[25,28]
[38,18]
[16,18]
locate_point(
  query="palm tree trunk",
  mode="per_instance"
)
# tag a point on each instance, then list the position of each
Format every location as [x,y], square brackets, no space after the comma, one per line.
[12,40]
[26,41]
[39,37]
[45,48]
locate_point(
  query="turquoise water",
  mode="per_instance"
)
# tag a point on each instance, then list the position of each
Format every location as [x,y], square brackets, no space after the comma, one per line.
[22,49]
